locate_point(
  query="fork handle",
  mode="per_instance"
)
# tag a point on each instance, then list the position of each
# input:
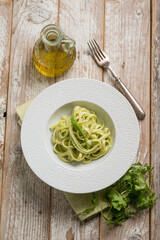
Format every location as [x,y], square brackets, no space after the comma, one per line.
[123,89]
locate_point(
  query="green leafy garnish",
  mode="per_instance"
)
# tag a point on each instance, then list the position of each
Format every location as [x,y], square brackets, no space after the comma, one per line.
[115,198]
[128,195]
[78,128]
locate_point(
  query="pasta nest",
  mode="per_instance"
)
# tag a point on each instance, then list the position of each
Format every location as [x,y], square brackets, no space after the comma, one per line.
[69,143]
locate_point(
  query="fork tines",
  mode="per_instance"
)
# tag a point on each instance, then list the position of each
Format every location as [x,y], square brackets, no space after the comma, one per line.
[96,51]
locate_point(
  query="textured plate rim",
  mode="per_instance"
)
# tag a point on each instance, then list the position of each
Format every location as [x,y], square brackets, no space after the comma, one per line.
[107,172]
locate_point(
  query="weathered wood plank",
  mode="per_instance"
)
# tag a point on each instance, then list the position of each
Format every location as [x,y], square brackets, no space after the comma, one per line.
[127,42]
[2,2]
[26,199]
[5,34]
[80,20]
[155,117]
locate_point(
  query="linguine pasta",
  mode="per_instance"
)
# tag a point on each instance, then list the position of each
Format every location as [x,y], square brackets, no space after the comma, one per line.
[80,137]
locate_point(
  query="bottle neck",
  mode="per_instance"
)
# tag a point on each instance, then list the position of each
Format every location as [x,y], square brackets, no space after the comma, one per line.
[51,36]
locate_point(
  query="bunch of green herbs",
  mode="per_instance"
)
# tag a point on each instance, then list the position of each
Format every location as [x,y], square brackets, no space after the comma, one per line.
[127,196]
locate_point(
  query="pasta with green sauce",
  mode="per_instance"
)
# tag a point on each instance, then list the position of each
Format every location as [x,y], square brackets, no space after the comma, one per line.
[80,137]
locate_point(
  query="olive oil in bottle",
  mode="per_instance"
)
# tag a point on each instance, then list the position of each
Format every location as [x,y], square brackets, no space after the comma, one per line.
[53,53]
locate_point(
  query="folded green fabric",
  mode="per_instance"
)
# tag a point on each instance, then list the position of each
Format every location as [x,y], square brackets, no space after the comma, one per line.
[79,202]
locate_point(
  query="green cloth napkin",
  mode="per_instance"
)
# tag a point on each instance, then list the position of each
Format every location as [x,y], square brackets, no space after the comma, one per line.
[79,202]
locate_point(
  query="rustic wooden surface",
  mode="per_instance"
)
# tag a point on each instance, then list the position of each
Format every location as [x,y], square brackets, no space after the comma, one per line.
[155,116]
[129,31]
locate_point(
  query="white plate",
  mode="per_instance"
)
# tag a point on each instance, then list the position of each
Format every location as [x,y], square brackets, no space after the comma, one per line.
[58,100]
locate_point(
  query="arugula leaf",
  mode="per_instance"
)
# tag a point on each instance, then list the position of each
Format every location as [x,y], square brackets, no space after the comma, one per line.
[140,183]
[115,199]
[145,201]
[78,128]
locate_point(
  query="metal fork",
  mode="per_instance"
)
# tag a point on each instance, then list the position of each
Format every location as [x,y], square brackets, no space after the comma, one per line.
[102,60]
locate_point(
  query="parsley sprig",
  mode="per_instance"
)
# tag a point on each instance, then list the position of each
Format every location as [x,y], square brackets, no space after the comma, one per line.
[128,195]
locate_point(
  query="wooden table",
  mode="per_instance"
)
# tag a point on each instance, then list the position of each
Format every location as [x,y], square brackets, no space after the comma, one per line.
[129,31]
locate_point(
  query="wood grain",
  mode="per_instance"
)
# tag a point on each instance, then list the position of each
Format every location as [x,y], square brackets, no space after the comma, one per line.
[127,42]
[26,199]
[31,209]
[5,34]
[2,2]
[81,21]
[155,117]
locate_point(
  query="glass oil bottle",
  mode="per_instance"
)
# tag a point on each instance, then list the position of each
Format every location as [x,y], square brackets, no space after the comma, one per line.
[53,53]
